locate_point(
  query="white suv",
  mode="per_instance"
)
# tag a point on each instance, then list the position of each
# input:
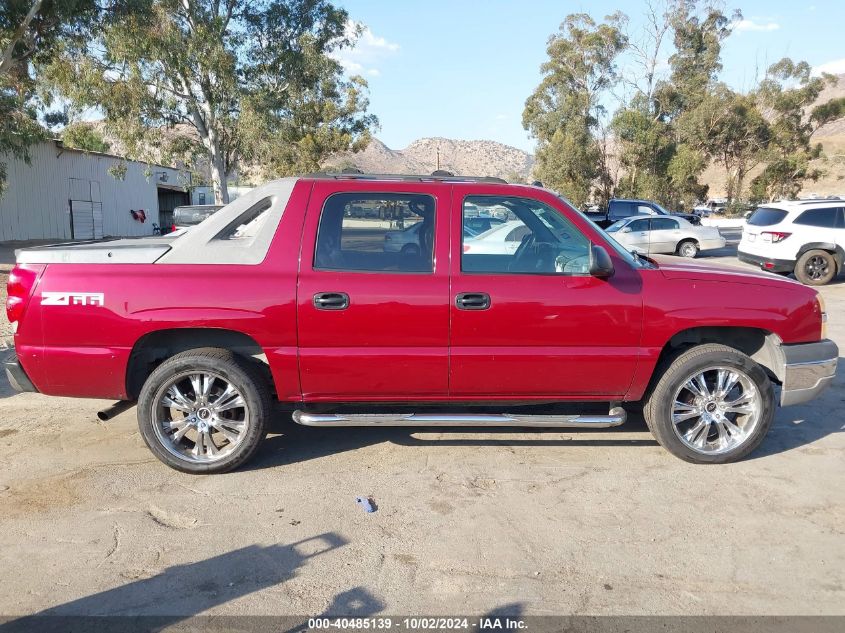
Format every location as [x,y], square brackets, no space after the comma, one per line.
[806,237]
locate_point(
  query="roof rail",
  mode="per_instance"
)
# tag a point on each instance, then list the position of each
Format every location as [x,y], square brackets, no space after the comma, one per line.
[815,200]
[436,177]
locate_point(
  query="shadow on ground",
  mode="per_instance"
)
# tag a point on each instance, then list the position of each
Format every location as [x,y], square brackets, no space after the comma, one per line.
[183,591]
[805,424]
[292,443]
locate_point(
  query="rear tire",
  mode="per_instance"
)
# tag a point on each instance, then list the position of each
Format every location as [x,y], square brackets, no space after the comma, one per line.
[710,425]
[688,249]
[815,268]
[204,411]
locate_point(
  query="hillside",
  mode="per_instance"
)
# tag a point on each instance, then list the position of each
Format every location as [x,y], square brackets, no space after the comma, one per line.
[476,158]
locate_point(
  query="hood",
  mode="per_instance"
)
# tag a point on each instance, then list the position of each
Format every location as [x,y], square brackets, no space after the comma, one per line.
[677,268]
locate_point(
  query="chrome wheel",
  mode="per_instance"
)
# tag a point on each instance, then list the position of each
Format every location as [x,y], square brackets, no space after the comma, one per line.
[817,267]
[716,410]
[200,417]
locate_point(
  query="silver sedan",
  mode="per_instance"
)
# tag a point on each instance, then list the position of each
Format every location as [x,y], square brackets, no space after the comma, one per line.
[661,234]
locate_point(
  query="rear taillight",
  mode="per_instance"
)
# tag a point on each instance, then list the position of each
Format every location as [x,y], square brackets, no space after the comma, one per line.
[19,289]
[774,236]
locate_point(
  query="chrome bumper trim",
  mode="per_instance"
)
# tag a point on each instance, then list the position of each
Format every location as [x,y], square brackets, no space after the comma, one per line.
[808,370]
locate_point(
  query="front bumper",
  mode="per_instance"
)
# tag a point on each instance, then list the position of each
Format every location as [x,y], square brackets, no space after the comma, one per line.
[17,376]
[767,263]
[808,370]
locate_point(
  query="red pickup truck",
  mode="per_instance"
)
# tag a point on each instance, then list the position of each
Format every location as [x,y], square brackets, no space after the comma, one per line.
[290,295]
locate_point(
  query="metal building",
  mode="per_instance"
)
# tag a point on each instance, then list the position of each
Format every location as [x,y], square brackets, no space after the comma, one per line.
[68,194]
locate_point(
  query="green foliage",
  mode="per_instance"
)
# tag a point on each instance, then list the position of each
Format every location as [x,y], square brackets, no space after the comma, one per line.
[30,33]
[564,111]
[249,79]
[728,128]
[670,129]
[786,93]
[85,137]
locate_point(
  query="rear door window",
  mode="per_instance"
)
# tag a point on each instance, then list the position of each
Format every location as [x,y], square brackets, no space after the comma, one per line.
[766,216]
[828,218]
[663,224]
[619,210]
[376,232]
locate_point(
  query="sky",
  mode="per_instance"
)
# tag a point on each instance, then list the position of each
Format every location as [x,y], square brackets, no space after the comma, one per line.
[463,68]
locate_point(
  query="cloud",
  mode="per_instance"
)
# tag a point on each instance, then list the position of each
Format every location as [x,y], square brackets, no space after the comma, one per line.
[369,50]
[763,24]
[834,67]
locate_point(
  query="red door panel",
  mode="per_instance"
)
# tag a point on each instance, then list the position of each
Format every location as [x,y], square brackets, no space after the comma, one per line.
[391,343]
[543,336]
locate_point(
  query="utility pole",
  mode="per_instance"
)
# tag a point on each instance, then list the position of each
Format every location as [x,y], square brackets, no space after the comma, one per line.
[438,156]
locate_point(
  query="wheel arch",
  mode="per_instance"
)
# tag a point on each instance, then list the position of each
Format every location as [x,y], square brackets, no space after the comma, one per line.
[760,345]
[155,347]
[834,249]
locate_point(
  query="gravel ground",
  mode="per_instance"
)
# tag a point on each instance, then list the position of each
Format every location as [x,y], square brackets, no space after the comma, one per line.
[588,523]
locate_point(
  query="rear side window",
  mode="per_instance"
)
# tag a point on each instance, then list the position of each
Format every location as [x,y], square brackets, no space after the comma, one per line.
[765,216]
[376,232]
[620,210]
[829,218]
[663,224]
[248,224]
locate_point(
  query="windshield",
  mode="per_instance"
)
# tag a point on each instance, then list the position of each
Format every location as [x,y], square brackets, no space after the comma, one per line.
[660,210]
[615,226]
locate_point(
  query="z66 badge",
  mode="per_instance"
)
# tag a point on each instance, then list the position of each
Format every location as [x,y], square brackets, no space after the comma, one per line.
[73,299]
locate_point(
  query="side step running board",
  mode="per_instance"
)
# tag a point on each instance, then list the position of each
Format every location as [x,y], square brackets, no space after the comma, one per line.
[616,417]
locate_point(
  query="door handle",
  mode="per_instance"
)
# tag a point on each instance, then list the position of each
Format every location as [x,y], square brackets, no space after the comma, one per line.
[331,301]
[472,301]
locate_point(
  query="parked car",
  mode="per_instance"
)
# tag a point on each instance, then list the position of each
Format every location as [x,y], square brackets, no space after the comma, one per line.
[665,235]
[408,240]
[619,209]
[281,298]
[802,237]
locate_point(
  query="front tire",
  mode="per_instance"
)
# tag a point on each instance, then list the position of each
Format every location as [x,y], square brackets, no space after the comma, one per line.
[204,411]
[815,268]
[712,405]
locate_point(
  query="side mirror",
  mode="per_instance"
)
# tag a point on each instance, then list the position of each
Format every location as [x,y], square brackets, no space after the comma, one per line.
[626,229]
[601,266]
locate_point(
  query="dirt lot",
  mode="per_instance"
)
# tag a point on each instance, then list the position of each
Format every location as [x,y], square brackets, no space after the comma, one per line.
[533,523]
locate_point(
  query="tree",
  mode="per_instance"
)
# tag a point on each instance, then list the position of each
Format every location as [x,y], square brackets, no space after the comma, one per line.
[786,94]
[250,79]
[652,150]
[730,130]
[30,31]
[566,109]
[85,137]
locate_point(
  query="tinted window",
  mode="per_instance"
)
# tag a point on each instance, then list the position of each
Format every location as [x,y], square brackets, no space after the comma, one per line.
[620,210]
[663,224]
[534,238]
[644,209]
[377,232]
[764,216]
[826,218]
[639,225]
